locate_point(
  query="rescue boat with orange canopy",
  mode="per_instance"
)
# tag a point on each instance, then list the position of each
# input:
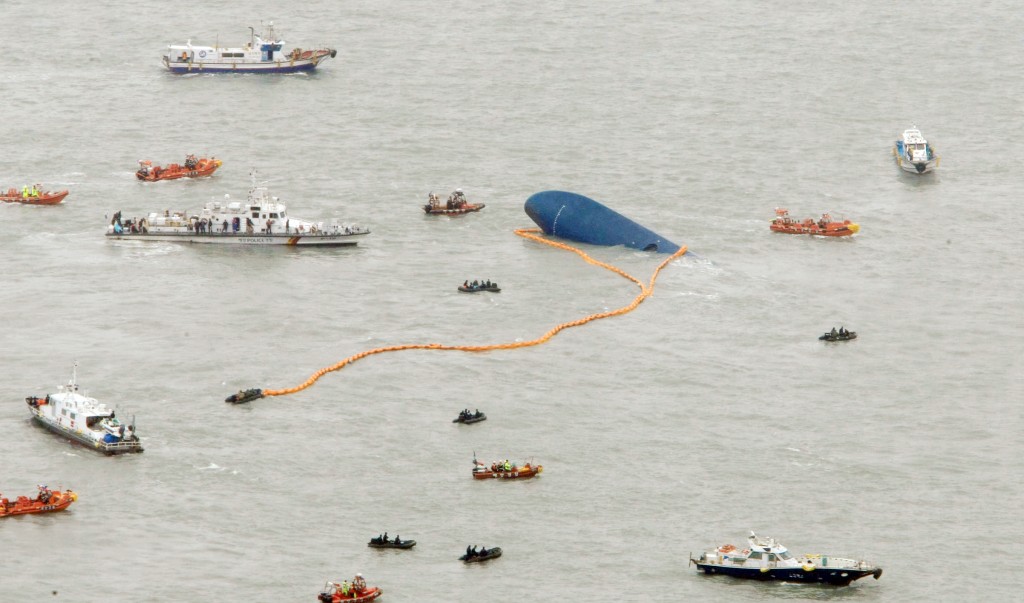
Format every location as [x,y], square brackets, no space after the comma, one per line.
[192,168]
[506,470]
[356,592]
[824,227]
[35,197]
[46,501]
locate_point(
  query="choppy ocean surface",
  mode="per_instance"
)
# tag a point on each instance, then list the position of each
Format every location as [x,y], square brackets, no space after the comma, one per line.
[709,411]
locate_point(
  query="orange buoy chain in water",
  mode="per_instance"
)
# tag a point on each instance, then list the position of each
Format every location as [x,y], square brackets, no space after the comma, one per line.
[528,233]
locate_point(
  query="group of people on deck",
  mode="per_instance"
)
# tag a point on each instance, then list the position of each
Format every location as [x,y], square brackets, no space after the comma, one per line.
[479,284]
[506,466]
[211,226]
[465,414]
[352,589]
[842,332]
[44,496]
[131,225]
[29,192]
[383,539]
[456,200]
[472,552]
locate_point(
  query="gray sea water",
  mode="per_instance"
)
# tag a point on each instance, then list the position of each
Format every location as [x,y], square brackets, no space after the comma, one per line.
[709,411]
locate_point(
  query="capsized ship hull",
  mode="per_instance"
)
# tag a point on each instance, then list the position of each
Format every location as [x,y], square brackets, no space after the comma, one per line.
[578,218]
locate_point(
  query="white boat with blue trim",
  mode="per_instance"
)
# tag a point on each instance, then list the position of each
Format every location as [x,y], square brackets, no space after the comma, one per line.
[84,420]
[766,559]
[914,154]
[264,53]
[261,220]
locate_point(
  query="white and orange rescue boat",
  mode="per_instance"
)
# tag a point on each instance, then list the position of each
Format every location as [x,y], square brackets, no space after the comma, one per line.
[823,227]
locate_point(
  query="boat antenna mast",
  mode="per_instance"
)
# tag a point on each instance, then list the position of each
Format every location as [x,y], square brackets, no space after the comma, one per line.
[252,36]
[73,384]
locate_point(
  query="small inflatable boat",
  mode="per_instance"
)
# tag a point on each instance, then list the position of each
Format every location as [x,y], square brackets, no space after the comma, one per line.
[391,544]
[470,418]
[492,288]
[244,396]
[847,336]
[493,553]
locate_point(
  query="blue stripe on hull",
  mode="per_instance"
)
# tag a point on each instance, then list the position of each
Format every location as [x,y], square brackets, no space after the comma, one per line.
[827,575]
[282,69]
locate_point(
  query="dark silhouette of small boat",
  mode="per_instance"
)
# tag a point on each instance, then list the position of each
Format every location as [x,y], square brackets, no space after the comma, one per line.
[837,336]
[483,555]
[470,418]
[245,396]
[491,287]
[380,543]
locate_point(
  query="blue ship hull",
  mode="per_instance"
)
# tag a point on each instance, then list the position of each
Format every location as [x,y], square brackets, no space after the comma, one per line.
[270,68]
[821,575]
[582,219]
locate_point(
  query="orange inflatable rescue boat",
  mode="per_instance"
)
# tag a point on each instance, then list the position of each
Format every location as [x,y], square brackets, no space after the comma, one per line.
[505,470]
[192,168]
[825,227]
[45,502]
[33,196]
[345,592]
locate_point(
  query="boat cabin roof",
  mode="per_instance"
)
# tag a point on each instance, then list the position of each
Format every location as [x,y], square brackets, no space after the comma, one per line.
[765,544]
[72,400]
[913,137]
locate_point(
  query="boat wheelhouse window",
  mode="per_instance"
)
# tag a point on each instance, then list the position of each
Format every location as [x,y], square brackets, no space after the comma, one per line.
[273,215]
[755,555]
[785,555]
[64,411]
[255,214]
[771,556]
[72,416]
[232,55]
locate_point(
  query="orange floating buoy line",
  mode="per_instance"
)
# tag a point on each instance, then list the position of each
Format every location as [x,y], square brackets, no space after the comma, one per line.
[528,233]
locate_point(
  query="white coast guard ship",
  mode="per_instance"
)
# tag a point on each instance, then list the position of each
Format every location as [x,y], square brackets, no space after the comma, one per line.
[261,220]
[766,559]
[264,53]
[84,420]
